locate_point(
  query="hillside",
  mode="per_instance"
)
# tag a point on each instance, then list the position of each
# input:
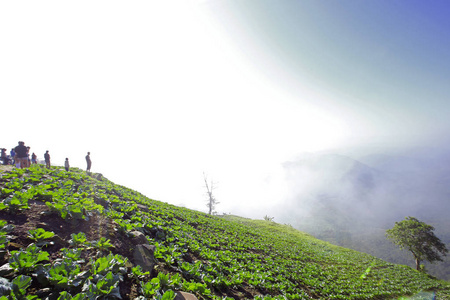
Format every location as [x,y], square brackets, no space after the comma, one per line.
[351,202]
[98,226]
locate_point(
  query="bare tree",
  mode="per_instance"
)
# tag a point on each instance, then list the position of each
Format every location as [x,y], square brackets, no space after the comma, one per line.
[212,202]
[267,218]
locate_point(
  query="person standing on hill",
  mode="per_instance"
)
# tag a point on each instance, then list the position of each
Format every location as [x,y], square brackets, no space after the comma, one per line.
[88,161]
[13,156]
[4,156]
[66,164]
[47,159]
[28,157]
[33,158]
[21,157]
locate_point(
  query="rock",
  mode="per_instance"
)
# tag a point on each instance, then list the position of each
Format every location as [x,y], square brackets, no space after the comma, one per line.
[143,207]
[5,286]
[6,270]
[3,254]
[59,241]
[43,292]
[143,256]
[138,238]
[185,296]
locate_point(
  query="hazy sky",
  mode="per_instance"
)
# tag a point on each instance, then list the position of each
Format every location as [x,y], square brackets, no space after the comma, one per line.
[161,91]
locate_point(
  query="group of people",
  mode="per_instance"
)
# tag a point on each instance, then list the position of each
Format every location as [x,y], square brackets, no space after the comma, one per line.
[20,157]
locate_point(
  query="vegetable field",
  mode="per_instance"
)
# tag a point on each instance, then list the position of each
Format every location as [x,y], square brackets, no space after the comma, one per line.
[67,235]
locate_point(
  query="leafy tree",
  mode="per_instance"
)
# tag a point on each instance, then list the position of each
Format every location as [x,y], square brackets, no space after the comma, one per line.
[419,239]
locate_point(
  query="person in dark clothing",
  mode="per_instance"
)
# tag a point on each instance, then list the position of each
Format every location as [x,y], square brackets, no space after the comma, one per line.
[13,156]
[28,157]
[4,157]
[47,159]
[21,157]
[33,158]
[66,164]
[88,161]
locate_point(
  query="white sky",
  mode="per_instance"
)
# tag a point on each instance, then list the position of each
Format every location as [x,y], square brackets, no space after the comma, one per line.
[159,94]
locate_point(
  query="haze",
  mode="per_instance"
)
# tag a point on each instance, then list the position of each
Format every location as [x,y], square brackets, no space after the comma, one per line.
[161,91]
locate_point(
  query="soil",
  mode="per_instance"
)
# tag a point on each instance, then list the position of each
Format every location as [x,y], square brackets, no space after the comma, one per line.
[40,216]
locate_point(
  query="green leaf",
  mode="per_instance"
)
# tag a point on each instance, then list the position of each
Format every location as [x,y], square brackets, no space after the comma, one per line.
[66,296]
[79,239]
[150,288]
[168,295]
[39,234]
[20,284]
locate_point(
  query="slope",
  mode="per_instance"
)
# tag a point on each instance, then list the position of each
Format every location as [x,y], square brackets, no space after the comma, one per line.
[90,255]
[351,202]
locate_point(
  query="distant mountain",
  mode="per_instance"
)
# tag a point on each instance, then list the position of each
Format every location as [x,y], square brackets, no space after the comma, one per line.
[423,178]
[351,202]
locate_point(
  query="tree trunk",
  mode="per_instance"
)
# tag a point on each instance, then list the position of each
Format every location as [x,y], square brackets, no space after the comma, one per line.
[210,195]
[417,264]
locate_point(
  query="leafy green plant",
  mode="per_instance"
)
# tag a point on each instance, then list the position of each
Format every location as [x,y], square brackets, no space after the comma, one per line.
[19,288]
[168,295]
[5,192]
[102,244]
[150,288]
[138,273]
[5,228]
[196,287]
[26,261]
[168,282]
[40,235]
[72,254]
[125,225]
[105,287]
[16,202]
[109,263]
[66,275]
[73,211]
[79,240]
[67,296]
[74,207]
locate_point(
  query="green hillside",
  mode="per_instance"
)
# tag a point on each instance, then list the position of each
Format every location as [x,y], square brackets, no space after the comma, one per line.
[95,225]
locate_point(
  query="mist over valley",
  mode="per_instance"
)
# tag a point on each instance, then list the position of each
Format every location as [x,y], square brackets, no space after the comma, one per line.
[352,201]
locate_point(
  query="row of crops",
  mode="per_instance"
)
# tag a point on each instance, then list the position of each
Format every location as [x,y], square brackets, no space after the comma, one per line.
[212,257]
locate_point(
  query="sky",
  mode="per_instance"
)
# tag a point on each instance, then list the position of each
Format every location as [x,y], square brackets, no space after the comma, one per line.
[163,92]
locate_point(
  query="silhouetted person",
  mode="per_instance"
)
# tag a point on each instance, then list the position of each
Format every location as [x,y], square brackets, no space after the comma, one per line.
[13,156]
[47,159]
[28,157]
[88,162]
[66,164]
[33,158]
[21,157]
[4,157]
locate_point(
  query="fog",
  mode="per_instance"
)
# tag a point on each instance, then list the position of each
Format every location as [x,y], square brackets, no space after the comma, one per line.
[320,114]
[349,197]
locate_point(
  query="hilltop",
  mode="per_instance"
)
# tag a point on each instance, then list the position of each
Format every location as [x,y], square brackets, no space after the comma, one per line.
[72,235]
